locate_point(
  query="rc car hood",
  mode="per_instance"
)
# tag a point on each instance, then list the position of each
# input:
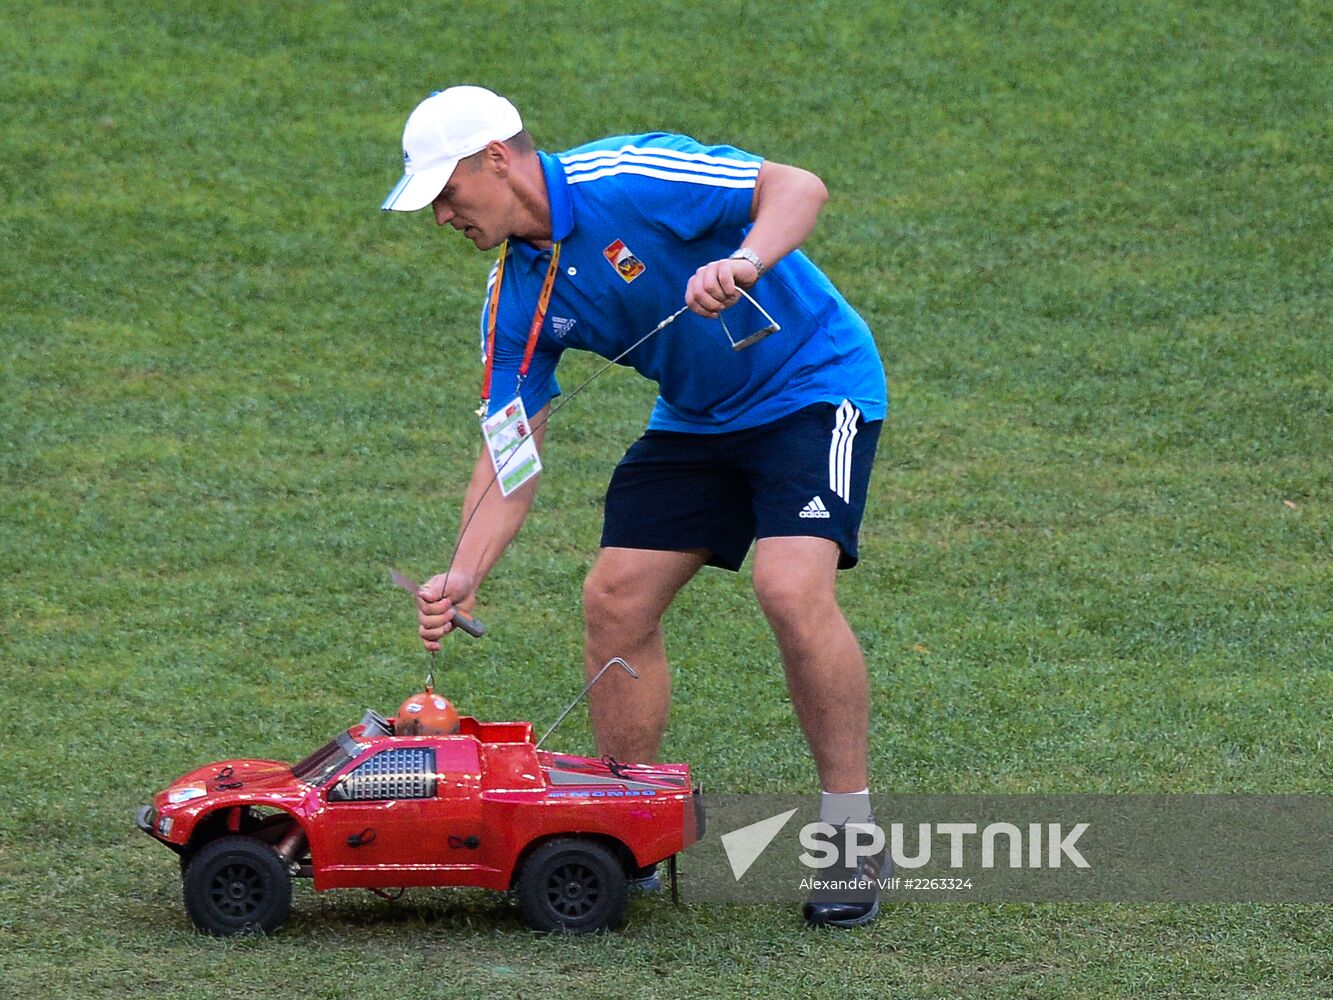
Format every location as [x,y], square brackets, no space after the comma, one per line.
[267,778]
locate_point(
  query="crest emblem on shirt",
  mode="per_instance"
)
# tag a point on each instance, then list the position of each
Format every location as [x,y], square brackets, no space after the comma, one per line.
[561,325]
[623,260]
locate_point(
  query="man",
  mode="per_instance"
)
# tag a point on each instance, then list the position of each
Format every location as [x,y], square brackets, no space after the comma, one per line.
[770,444]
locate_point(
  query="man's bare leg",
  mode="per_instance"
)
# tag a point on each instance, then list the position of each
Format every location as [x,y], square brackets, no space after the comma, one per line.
[624,598]
[794,579]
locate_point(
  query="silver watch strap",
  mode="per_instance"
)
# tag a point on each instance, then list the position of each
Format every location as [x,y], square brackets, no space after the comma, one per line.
[745,253]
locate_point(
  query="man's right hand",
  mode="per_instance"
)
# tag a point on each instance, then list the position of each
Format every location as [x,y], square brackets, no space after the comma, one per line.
[714,286]
[437,600]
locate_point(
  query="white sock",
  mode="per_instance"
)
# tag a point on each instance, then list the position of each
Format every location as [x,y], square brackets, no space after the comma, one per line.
[840,808]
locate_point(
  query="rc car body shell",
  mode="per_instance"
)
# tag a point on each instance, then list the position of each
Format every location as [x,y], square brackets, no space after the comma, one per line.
[479,801]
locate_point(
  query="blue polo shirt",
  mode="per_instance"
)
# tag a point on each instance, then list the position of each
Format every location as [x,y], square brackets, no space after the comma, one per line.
[636,216]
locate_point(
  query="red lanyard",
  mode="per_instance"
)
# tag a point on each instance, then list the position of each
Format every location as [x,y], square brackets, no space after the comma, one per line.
[534,330]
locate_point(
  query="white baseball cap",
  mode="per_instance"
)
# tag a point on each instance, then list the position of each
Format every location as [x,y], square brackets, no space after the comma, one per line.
[446,127]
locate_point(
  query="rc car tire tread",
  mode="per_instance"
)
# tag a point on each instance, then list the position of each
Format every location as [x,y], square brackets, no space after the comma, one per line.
[572,885]
[235,885]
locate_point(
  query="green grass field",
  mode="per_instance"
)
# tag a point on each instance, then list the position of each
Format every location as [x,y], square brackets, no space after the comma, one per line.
[1094,243]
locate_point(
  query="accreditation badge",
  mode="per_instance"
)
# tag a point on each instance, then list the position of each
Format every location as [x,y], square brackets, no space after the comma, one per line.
[512,447]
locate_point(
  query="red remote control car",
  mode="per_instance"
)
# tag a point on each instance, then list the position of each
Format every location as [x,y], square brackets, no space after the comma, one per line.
[375,808]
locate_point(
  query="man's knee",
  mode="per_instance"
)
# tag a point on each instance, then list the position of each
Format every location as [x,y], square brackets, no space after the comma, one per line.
[795,581]
[793,603]
[627,591]
[616,602]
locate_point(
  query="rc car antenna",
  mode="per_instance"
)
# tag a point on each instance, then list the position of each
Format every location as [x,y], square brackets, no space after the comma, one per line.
[614,661]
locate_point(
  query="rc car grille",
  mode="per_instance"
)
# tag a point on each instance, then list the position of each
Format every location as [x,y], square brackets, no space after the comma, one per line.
[393,774]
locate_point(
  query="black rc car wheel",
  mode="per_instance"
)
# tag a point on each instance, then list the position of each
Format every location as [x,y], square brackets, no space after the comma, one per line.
[574,886]
[237,884]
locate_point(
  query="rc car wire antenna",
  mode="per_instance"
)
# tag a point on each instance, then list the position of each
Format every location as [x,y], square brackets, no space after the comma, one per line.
[614,661]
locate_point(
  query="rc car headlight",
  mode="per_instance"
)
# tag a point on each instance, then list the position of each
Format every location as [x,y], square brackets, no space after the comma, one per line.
[164,826]
[185,793]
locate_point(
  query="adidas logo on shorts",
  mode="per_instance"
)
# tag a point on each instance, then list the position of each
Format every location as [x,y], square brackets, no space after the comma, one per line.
[815,508]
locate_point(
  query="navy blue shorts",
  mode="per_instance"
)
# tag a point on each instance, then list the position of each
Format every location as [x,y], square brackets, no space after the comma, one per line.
[804,474]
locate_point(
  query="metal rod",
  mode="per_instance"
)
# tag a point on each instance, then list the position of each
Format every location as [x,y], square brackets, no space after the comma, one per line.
[586,688]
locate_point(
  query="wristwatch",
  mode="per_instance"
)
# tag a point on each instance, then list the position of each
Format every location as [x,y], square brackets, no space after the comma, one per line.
[745,253]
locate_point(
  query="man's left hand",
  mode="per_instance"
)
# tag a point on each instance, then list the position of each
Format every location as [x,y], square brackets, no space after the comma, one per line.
[716,285]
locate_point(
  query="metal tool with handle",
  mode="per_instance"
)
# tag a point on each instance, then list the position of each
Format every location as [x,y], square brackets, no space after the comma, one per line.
[468,624]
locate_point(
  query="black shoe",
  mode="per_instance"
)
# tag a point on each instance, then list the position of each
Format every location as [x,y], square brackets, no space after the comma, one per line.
[849,894]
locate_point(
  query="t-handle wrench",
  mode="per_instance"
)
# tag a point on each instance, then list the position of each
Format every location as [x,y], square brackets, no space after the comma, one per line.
[469,625]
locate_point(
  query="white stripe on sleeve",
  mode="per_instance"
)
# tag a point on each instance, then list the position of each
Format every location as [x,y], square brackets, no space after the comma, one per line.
[680,176]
